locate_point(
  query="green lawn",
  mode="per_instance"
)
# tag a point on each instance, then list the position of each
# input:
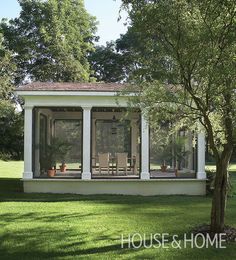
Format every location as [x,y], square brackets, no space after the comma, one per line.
[47,226]
[232,167]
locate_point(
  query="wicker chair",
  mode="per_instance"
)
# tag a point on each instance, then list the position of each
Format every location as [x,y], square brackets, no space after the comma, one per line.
[103,161]
[121,162]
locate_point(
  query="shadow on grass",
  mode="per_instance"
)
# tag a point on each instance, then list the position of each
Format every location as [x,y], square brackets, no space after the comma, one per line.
[88,231]
[49,243]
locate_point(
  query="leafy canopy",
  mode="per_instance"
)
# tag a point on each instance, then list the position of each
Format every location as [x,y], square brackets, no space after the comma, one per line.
[191,46]
[7,70]
[194,44]
[11,122]
[51,40]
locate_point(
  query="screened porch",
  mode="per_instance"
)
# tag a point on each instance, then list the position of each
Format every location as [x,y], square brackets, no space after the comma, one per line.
[57,142]
[114,146]
[115,143]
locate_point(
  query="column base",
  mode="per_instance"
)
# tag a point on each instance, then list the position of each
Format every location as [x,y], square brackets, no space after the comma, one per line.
[201,175]
[86,176]
[145,176]
[27,175]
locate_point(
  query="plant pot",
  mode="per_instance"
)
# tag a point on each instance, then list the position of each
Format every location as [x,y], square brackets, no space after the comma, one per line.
[176,172]
[63,168]
[163,168]
[51,172]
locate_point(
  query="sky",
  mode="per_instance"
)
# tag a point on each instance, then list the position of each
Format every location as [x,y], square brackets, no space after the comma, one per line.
[106,11]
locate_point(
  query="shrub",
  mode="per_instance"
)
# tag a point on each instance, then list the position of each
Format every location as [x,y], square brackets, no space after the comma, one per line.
[5,156]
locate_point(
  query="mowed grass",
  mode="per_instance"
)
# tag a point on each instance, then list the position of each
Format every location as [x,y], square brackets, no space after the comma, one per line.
[232,167]
[12,169]
[53,226]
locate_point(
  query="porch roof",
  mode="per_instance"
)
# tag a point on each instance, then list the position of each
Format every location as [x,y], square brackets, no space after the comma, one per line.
[70,86]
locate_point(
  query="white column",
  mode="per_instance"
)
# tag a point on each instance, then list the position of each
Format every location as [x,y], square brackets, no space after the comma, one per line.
[28,174]
[144,149]
[86,174]
[201,174]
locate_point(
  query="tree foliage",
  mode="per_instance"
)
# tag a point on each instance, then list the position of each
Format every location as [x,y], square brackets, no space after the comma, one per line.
[51,40]
[11,131]
[7,70]
[107,63]
[191,44]
[114,62]
[11,122]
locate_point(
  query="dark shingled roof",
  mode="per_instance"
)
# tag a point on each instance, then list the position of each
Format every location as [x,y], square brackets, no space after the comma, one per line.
[51,86]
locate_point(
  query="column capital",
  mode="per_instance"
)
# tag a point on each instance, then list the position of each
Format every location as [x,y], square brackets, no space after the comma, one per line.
[28,107]
[86,107]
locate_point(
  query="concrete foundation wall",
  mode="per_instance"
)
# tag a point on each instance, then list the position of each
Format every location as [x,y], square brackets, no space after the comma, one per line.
[125,187]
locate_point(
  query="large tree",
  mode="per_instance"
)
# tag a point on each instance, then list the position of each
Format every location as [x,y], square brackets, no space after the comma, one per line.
[51,40]
[194,42]
[11,121]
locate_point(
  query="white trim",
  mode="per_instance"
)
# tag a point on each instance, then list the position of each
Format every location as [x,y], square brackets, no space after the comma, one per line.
[71,93]
[115,180]
[129,187]
[76,101]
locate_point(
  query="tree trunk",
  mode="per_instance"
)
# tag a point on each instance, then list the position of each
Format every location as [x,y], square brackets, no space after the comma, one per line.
[220,192]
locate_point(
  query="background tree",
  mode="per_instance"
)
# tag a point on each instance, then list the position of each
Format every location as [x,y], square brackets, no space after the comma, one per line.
[113,62]
[11,121]
[125,60]
[51,40]
[194,42]
[11,132]
[107,63]
[134,49]
[7,72]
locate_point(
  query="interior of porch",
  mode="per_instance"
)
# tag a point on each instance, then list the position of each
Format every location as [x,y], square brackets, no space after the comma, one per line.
[172,155]
[115,145]
[58,142]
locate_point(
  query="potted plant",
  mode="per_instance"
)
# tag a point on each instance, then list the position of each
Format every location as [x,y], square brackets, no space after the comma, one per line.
[173,150]
[164,155]
[63,167]
[53,152]
[179,154]
[164,166]
[49,159]
[62,151]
